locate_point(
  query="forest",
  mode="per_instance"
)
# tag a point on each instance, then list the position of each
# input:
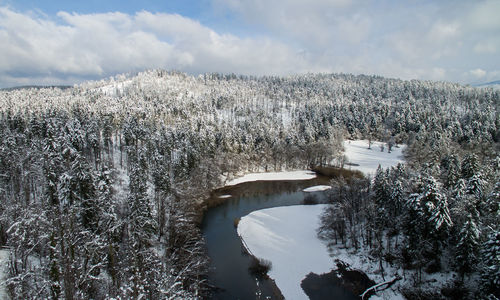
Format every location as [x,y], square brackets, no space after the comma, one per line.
[102,185]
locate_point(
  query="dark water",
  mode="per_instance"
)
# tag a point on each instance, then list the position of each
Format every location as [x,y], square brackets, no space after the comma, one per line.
[330,286]
[229,262]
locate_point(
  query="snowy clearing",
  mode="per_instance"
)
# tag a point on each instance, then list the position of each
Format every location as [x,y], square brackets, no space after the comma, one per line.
[271,176]
[367,160]
[317,188]
[4,261]
[287,237]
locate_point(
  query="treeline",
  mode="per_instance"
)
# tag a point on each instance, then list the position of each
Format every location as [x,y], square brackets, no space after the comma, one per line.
[101,184]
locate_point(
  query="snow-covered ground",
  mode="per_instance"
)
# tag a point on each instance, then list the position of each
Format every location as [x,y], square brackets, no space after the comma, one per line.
[287,237]
[360,261]
[224,196]
[363,261]
[4,262]
[317,188]
[271,176]
[367,160]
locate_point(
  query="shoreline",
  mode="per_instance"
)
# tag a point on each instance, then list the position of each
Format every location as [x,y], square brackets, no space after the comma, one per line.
[323,175]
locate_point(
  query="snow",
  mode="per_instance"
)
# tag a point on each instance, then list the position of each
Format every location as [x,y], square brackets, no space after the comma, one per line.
[4,261]
[317,188]
[224,196]
[360,260]
[272,176]
[367,160]
[287,237]
[363,261]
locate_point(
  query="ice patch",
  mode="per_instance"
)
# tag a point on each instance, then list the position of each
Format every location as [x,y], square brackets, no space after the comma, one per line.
[287,237]
[317,188]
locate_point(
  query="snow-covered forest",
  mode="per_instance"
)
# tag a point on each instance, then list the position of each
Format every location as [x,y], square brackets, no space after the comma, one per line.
[102,184]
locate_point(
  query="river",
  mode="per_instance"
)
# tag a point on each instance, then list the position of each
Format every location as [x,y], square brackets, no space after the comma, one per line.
[228,259]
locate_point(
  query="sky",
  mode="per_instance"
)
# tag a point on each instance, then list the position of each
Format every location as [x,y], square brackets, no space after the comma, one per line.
[56,42]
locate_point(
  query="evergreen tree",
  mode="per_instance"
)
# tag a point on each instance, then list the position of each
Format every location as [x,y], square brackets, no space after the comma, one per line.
[490,273]
[144,265]
[476,186]
[467,249]
[435,206]
[469,166]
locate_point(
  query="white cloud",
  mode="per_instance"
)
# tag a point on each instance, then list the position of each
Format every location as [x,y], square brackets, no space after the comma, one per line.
[98,45]
[486,47]
[407,39]
[484,15]
[443,31]
[418,39]
[478,73]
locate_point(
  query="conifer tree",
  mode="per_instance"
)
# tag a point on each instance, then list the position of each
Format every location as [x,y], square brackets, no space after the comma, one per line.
[467,249]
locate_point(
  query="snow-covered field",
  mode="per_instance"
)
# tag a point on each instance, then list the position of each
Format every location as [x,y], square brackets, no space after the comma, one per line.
[287,237]
[271,176]
[4,259]
[317,188]
[367,160]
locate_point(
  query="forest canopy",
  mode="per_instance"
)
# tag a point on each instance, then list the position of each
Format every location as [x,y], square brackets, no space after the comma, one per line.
[101,184]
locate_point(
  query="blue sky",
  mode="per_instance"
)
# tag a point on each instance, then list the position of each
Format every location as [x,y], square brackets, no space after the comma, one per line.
[192,9]
[67,42]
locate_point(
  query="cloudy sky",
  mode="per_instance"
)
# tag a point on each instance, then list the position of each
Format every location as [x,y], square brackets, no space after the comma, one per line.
[66,42]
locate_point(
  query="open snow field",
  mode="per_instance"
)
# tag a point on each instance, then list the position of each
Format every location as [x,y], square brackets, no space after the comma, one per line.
[272,176]
[357,152]
[287,237]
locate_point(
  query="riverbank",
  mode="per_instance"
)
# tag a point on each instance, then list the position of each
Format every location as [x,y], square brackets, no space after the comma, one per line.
[268,183]
[287,237]
[269,233]
[229,262]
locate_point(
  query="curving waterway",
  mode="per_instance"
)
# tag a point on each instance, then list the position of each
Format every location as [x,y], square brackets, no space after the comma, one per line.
[229,261]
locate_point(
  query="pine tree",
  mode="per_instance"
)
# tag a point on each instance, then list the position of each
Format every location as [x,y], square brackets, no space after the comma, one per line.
[467,249]
[380,187]
[143,262]
[476,186]
[493,201]
[469,166]
[435,206]
[490,273]
[450,168]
